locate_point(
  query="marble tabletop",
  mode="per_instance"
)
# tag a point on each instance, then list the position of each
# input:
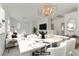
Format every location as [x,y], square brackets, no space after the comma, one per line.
[30,44]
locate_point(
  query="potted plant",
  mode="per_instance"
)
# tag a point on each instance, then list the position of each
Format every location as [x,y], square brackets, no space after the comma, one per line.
[34,30]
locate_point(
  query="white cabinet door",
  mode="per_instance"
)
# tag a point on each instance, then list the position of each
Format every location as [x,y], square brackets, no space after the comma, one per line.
[2,13]
[2,30]
[2,43]
[2,20]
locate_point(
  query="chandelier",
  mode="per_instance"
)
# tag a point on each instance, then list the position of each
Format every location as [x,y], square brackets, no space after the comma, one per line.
[46,10]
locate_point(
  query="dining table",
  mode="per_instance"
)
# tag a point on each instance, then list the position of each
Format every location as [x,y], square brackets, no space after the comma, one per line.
[32,44]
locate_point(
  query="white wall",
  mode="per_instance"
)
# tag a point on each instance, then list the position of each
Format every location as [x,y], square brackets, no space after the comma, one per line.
[57,25]
[26,26]
[19,11]
[56,21]
[43,21]
[73,15]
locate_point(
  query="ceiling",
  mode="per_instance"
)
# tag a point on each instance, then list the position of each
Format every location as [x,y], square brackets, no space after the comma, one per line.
[32,11]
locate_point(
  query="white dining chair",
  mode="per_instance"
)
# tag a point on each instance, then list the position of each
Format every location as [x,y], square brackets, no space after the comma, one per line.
[57,51]
[70,46]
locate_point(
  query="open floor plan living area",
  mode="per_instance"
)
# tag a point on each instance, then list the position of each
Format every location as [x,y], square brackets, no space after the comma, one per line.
[39,29]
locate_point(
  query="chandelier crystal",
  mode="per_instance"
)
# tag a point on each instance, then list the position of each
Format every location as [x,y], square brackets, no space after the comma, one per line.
[46,10]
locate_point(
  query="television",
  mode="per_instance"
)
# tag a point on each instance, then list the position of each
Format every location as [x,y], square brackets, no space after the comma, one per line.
[43,26]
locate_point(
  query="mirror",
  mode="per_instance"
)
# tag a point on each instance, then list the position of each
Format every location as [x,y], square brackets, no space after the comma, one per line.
[71,25]
[0,25]
[62,28]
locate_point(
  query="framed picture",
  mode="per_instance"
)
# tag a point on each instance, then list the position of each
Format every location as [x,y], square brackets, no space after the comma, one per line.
[62,28]
[0,25]
[52,26]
